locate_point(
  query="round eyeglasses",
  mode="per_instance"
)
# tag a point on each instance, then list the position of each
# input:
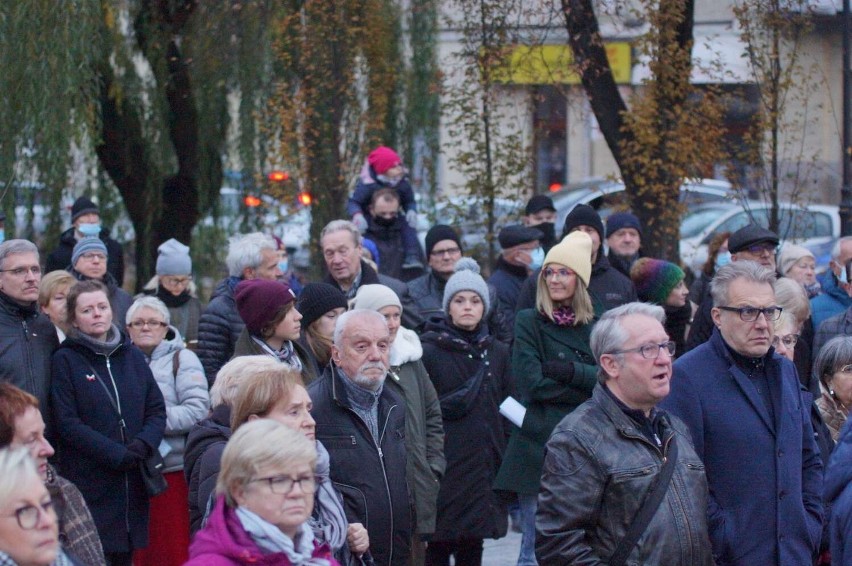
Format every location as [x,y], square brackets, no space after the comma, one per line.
[27,516]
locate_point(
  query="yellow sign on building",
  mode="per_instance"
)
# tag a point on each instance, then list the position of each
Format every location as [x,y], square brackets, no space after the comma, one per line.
[554,64]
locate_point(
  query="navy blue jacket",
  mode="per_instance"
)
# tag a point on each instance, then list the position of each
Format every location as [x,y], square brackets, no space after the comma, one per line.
[833,300]
[219,329]
[838,494]
[765,477]
[90,442]
[369,476]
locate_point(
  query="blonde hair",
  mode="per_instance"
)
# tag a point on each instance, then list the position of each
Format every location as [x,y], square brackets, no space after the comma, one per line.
[791,296]
[15,465]
[51,282]
[319,344]
[231,376]
[260,390]
[257,445]
[581,302]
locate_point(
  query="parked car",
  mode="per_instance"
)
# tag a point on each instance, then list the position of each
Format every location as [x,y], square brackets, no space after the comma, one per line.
[816,227]
[608,195]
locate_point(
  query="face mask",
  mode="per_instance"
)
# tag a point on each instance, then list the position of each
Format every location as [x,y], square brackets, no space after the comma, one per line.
[390,181]
[843,278]
[89,229]
[724,258]
[386,222]
[2,235]
[536,258]
[284,265]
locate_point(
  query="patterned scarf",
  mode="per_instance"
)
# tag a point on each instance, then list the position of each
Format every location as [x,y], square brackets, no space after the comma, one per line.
[270,539]
[61,559]
[287,353]
[564,316]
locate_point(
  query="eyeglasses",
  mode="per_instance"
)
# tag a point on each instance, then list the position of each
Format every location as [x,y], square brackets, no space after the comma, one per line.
[750,314]
[174,281]
[650,351]
[448,251]
[93,255]
[760,249]
[552,273]
[789,340]
[27,516]
[149,323]
[22,271]
[282,485]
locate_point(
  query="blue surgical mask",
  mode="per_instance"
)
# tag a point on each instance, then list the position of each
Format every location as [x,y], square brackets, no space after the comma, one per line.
[842,277]
[724,258]
[89,229]
[536,258]
[284,265]
[2,235]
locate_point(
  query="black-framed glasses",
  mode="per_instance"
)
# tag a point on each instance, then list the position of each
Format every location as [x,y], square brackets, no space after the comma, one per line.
[22,271]
[93,255]
[149,323]
[760,249]
[650,351]
[27,516]
[448,251]
[750,314]
[282,485]
[789,340]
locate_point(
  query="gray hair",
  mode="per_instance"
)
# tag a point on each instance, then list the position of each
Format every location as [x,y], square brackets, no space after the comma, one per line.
[609,334]
[15,465]
[258,445]
[339,226]
[835,249]
[791,296]
[836,353]
[344,319]
[148,302]
[231,376]
[245,251]
[10,247]
[751,271]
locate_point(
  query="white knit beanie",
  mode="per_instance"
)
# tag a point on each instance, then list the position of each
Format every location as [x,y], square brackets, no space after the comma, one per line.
[374,297]
[466,278]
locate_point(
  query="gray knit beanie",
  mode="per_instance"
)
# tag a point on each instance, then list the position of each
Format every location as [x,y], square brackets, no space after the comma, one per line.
[89,244]
[466,278]
[173,258]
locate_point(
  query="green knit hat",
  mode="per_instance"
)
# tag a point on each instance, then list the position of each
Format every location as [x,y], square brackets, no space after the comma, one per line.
[655,279]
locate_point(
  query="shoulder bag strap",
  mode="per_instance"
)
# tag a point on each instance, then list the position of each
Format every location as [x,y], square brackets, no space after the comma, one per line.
[649,508]
[112,401]
[176,364]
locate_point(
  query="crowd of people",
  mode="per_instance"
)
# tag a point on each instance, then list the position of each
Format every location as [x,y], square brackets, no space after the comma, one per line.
[606,405]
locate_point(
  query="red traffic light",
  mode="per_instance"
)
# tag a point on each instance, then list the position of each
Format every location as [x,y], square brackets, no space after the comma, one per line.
[252,201]
[305,199]
[555,187]
[278,176]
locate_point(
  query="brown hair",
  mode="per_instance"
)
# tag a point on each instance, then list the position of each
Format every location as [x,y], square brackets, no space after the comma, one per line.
[713,252]
[14,402]
[268,329]
[386,194]
[80,287]
[260,391]
[320,345]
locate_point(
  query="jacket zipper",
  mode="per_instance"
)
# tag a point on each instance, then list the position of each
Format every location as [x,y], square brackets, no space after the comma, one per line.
[28,356]
[123,425]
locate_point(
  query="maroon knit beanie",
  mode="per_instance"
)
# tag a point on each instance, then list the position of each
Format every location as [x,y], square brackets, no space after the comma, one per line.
[259,300]
[383,158]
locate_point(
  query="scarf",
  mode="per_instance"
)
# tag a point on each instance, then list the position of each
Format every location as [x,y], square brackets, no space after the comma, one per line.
[328,521]
[173,301]
[287,353]
[813,289]
[105,348]
[564,316]
[61,559]
[271,540]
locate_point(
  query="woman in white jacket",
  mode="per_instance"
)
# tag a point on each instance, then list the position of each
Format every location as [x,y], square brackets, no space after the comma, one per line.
[179,374]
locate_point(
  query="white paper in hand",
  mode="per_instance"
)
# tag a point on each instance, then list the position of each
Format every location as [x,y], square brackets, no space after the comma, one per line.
[512,410]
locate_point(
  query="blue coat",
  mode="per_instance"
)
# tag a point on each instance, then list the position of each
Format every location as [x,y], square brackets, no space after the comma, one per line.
[838,494]
[833,300]
[765,477]
[90,444]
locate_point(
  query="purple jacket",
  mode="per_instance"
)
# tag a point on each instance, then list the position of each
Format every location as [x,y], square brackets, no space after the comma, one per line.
[224,542]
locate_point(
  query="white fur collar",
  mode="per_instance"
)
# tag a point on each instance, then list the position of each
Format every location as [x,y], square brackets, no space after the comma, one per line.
[406,347]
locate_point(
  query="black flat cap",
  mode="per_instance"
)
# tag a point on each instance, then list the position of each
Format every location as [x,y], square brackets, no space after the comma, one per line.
[516,234]
[750,235]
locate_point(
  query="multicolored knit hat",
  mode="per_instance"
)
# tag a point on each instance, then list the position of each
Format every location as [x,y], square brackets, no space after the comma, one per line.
[655,279]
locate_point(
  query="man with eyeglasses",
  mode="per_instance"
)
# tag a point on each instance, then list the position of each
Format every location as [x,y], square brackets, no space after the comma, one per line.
[443,250]
[27,336]
[749,243]
[89,261]
[606,457]
[750,422]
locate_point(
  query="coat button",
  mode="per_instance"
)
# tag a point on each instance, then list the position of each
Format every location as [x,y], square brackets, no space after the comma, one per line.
[561,355]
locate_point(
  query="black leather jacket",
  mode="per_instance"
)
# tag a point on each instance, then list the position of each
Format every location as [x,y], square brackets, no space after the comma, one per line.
[597,472]
[369,476]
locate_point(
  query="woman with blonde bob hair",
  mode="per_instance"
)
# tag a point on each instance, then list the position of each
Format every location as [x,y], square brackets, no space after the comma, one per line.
[554,370]
[29,529]
[265,495]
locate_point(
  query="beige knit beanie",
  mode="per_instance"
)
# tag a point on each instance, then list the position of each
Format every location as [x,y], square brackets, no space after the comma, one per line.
[575,253]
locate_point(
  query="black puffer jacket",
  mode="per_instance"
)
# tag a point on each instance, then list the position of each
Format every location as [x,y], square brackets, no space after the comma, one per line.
[219,329]
[27,340]
[427,291]
[204,446]
[60,258]
[475,440]
[598,470]
[370,478]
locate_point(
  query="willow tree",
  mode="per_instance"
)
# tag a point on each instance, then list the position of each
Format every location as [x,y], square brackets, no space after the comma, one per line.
[668,130]
[145,85]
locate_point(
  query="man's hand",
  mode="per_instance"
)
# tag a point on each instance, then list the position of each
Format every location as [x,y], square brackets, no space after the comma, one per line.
[357,538]
[360,222]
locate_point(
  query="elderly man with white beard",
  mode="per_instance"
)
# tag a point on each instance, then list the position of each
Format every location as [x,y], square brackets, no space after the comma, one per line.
[362,425]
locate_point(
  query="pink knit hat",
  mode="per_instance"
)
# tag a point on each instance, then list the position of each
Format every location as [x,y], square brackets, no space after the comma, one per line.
[383,158]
